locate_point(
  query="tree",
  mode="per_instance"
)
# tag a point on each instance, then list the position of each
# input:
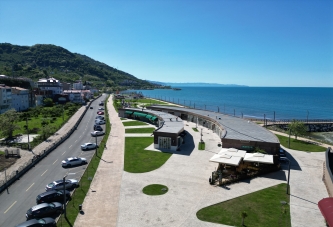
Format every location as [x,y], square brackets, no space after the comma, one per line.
[7,123]
[243,215]
[297,128]
[47,130]
[48,102]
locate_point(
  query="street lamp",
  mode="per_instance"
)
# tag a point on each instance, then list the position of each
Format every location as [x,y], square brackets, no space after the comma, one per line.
[28,134]
[307,117]
[64,181]
[288,175]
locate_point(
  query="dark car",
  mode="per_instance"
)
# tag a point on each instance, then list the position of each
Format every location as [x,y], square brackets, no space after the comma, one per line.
[44,210]
[53,196]
[91,107]
[98,128]
[43,222]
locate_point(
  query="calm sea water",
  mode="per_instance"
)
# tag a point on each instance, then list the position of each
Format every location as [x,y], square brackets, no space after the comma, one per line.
[255,102]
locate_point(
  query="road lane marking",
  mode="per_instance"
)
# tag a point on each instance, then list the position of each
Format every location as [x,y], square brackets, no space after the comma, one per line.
[30,187]
[63,153]
[9,207]
[80,136]
[54,161]
[70,146]
[43,173]
[75,141]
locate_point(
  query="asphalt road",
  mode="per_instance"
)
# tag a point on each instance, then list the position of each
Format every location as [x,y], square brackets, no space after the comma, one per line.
[22,194]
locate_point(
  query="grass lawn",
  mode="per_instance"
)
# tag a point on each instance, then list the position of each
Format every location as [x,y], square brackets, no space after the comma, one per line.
[155,189]
[134,123]
[263,208]
[138,160]
[201,146]
[299,144]
[139,130]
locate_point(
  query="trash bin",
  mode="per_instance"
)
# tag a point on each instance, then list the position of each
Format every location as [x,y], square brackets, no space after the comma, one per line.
[80,207]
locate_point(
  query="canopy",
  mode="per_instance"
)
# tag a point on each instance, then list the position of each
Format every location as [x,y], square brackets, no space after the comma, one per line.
[153,118]
[258,157]
[149,116]
[233,152]
[326,207]
[138,114]
[128,112]
[226,159]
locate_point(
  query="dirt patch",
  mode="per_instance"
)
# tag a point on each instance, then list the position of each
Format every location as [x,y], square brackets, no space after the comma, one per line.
[6,162]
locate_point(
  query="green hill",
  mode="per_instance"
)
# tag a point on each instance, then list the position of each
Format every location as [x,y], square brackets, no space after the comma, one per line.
[41,60]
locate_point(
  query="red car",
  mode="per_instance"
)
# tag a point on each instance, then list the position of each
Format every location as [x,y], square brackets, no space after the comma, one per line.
[100,113]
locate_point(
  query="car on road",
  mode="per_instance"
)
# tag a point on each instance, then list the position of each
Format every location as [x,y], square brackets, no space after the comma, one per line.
[59,185]
[73,161]
[53,196]
[42,222]
[101,104]
[97,133]
[88,146]
[98,128]
[91,107]
[99,117]
[99,122]
[44,210]
[101,108]
[100,113]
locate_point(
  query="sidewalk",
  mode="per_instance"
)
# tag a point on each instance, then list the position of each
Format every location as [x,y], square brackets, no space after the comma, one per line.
[100,205]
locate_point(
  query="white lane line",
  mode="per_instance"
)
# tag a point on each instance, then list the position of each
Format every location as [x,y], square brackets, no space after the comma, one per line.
[9,207]
[75,141]
[30,187]
[55,161]
[64,153]
[80,136]
[70,146]
[43,173]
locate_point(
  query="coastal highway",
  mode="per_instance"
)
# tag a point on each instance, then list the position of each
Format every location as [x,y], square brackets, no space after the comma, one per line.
[22,194]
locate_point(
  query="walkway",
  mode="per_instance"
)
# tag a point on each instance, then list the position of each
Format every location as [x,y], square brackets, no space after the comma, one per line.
[118,200]
[100,206]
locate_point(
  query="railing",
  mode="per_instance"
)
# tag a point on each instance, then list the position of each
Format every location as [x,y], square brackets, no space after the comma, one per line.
[26,166]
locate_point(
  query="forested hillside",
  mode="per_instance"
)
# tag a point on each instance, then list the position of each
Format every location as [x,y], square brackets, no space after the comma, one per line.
[41,60]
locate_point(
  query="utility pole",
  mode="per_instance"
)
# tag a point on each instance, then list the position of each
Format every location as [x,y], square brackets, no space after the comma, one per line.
[28,134]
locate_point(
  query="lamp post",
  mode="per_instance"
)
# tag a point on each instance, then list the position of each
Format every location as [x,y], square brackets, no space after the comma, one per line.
[64,181]
[28,134]
[96,146]
[288,175]
[307,117]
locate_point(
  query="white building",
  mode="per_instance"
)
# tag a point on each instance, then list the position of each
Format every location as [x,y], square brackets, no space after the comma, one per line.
[20,98]
[75,96]
[78,85]
[50,84]
[5,98]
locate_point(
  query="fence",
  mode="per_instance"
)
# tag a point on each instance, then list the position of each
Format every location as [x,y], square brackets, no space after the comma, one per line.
[26,166]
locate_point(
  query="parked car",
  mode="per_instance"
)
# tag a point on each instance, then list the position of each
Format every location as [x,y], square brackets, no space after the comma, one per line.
[91,107]
[99,117]
[53,196]
[59,185]
[98,128]
[282,152]
[97,133]
[283,159]
[44,210]
[99,122]
[101,104]
[100,113]
[73,161]
[101,108]
[88,146]
[42,222]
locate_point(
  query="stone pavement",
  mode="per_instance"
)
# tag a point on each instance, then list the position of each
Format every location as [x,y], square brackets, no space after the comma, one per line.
[118,199]
[100,205]
[26,156]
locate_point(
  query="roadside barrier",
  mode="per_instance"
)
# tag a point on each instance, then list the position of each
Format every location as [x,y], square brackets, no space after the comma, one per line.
[11,177]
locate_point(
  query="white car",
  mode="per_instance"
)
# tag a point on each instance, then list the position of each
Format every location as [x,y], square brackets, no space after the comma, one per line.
[99,122]
[99,117]
[101,108]
[59,185]
[97,133]
[73,161]
[88,146]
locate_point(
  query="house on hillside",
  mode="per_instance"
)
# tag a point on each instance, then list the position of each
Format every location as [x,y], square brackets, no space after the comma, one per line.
[5,98]
[20,98]
[50,84]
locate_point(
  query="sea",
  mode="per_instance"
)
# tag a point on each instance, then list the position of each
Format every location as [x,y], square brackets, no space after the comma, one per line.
[275,103]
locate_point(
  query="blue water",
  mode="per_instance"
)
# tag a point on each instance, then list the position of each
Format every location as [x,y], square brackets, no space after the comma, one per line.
[273,102]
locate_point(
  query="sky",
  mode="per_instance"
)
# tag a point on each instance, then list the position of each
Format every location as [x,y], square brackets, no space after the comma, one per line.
[280,43]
